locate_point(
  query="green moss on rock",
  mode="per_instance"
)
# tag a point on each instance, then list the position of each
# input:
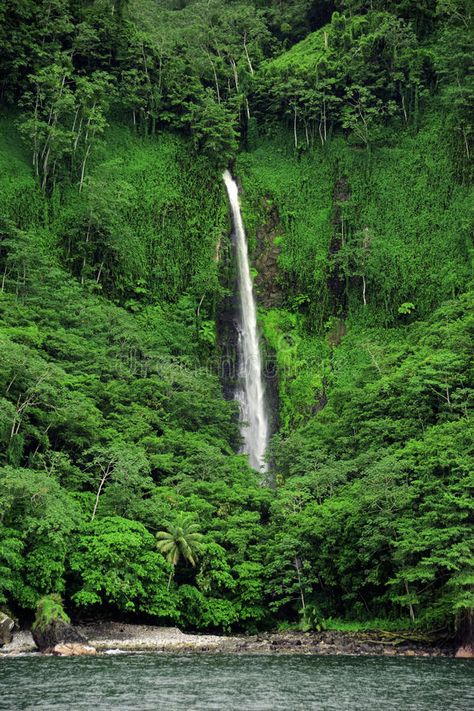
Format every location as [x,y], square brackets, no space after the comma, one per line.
[49,610]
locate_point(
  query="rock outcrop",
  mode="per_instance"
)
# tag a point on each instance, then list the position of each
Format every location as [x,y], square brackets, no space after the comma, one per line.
[465,653]
[6,629]
[56,632]
[52,627]
[73,650]
[269,291]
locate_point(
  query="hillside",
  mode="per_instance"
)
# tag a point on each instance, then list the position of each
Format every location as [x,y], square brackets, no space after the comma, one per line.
[349,130]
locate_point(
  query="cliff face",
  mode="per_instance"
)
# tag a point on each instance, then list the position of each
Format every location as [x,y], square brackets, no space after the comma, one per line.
[227,319]
[269,290]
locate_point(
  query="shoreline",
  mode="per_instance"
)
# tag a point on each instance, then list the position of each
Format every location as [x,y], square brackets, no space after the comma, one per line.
[109,637]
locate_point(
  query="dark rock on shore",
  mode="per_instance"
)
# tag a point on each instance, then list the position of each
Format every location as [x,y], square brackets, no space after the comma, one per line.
[342,643]
[6,629]
[56,632]
[125,637]
[337,643]
[128,637]
[52,627]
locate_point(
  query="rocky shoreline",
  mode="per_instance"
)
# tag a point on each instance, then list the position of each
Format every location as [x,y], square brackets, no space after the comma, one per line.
[117,637]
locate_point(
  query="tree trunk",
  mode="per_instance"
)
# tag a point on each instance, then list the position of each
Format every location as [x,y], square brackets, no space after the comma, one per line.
[45,169]
[235,73]
[297,565]
[247,56]
[84,259]
[466,143]
[216,80]
[105,476]
[83,170]
[412,612]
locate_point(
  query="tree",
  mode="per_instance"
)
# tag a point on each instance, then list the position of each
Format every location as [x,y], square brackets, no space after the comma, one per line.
[454,64]
[122,467]
[47,106]
[11,563]
[115,564]
[45,516]
[181,540]
[213,129]
[362,113]
[355,73]
[93,97]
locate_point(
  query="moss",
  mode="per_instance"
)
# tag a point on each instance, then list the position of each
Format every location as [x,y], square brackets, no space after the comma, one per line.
[49,609]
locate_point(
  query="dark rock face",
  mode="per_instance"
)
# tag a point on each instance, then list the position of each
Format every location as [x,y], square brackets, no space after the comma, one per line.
[56,632]
[269,292]
[6,629]
[270,295]
[227,322]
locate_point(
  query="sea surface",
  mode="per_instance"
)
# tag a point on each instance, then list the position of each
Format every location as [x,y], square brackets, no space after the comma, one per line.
[151,682]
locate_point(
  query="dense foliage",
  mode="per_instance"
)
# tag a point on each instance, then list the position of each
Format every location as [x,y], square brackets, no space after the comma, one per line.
[121,488]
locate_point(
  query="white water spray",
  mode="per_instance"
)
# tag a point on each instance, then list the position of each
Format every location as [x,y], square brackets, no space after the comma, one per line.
[250,392]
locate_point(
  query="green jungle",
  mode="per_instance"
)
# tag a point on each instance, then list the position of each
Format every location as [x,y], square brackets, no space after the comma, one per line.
[350,127]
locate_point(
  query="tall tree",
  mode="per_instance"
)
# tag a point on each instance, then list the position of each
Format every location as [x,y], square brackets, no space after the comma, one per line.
[181,540]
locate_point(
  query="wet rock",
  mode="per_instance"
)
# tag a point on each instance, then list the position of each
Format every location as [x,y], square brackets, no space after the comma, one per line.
[465,653]
[52,626]
[266,257]
[72,650]
[55,633]
[22,642]
[6,629]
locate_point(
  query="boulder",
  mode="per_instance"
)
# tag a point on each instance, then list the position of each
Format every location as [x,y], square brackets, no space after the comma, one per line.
[72,650]
[52,626]
[56,632]
[6,629]
[465,653]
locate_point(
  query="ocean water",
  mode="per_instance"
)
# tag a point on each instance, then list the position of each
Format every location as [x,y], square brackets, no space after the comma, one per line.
[151,682]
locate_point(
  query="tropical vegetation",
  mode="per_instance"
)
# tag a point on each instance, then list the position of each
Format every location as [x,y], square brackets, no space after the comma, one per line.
[122,489]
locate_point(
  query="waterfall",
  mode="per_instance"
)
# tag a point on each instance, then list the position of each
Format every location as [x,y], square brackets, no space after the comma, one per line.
[250,391]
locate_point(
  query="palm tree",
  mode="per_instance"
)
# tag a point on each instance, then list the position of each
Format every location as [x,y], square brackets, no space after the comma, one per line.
[181,540]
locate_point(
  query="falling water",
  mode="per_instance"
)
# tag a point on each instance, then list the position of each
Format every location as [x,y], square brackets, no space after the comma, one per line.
[250,392]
